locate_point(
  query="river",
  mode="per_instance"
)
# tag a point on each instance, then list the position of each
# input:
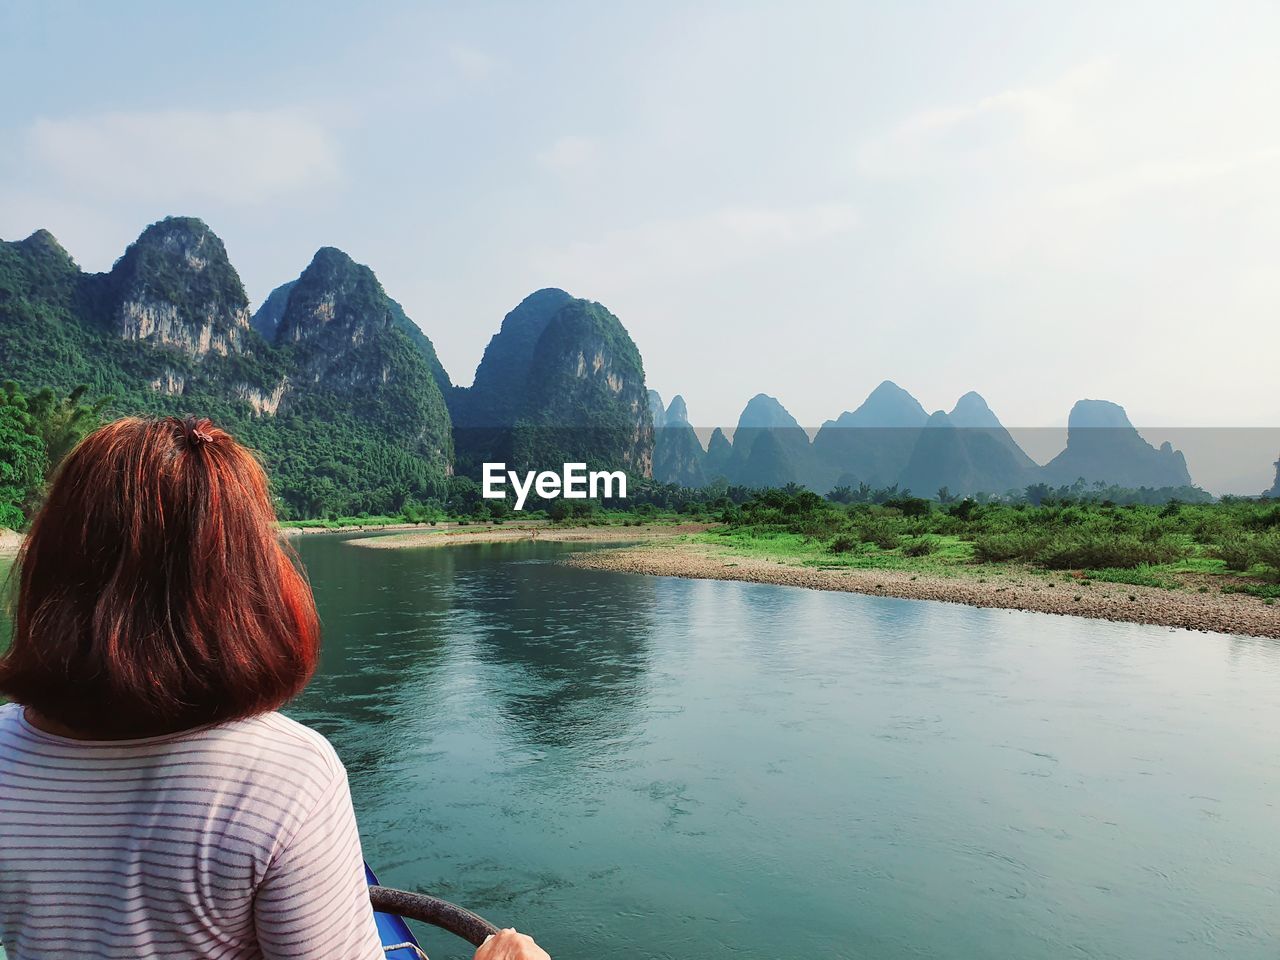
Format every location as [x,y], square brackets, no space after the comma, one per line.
[657,768]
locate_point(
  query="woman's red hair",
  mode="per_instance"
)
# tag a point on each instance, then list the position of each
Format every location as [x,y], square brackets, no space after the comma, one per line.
[155,593]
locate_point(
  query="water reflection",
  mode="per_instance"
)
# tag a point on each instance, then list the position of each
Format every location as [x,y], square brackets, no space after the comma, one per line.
[409,635]
[566,661]
[649,767]
[385,640]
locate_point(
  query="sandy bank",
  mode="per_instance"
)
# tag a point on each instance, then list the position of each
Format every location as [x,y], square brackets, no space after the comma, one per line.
[291,531]
[1223,613]
[546,532]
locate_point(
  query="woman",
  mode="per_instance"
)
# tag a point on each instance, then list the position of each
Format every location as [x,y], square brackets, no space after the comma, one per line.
[152,803]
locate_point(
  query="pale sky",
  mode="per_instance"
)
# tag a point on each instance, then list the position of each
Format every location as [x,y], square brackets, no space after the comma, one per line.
[1040,201]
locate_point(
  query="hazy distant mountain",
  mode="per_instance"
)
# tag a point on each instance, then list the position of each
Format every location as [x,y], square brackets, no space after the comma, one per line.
[267,317]
[1275,490]
[678,457]
[719,457]
[656,409]
[784,458]
[972,412]
[764,412]
[873,443]
[967,451]
[888,405]
[768,462]
[677,412]
[1103,446]
[889,439]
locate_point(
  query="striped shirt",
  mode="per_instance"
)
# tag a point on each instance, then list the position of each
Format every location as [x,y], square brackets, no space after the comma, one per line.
[235,841]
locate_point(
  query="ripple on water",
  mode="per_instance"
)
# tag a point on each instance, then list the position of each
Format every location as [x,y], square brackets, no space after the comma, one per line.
[667,768]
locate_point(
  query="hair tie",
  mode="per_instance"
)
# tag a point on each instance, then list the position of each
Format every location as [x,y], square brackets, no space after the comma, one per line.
[196,436]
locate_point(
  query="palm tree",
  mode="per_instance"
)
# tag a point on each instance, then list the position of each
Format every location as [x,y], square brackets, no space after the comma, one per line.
[62,422]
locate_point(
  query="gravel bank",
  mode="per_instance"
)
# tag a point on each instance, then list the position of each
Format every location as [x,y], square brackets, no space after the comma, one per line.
[1215,611]
[549,533]
[290,531]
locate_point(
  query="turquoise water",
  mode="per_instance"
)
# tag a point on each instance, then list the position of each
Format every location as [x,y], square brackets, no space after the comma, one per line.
[639,767]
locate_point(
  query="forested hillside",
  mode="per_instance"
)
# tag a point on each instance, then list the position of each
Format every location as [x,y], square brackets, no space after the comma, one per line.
[344,402]
[562,381]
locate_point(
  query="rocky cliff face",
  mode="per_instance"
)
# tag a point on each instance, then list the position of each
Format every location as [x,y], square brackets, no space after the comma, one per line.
[560,382]
[1104,447]
[342,397]
[585,398]
[345,343]
[175,287]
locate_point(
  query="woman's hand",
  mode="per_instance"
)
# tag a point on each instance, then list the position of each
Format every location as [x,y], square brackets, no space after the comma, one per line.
[509,945]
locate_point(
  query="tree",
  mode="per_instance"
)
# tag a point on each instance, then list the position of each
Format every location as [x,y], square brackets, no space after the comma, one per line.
[1038,493]
[464,496]
[22,458]
[62,422]
[841,494]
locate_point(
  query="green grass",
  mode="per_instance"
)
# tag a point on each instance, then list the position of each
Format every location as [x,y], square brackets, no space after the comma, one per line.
[1267,591]
[948,553]
[1143,576]
[1170,547]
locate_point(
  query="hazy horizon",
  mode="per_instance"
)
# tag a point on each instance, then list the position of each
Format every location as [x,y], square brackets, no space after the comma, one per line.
[799,201]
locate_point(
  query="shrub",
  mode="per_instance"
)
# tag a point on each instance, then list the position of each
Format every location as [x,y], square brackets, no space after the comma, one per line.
[1268,547]
[1099,550]
[731,515]
[921,547]
[842,544]
[1264,519]
[1237,551]
[999,547]
[878,531]
[910,506]
[817,527]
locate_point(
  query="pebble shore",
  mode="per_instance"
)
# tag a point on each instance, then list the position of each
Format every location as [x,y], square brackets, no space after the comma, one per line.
[1063,594]
[509,533]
